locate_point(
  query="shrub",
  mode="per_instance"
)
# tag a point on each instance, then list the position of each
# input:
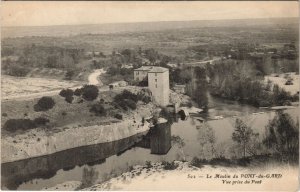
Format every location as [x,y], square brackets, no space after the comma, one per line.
[90,92]
[130,103]
[4,114]
[18,71]
[119,116]
[122,105]
[44,104]
[126,95]
[40,121]
[198,162]
[98,109]
[169,166]
[148,164]
[69,74]
[13,125]
[69,99]
[78,92]
[221,161]
[66,93]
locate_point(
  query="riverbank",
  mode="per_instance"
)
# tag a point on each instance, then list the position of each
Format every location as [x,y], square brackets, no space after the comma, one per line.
[208,177]
[38,142]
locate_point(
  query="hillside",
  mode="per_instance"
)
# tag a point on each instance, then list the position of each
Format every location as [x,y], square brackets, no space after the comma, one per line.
[67,30]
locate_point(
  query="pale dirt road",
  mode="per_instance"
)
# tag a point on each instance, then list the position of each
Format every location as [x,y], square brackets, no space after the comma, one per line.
[94,77]
[92,80]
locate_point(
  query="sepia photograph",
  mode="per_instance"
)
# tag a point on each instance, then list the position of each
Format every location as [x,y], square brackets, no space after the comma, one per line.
[150,96]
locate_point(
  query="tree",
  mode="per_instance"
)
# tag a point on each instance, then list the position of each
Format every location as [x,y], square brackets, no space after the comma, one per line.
[90,92]
[69,75]
[44,104]
[282,135]
[242,134]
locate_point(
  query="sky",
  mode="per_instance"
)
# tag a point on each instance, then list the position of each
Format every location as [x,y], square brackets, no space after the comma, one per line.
[35,13]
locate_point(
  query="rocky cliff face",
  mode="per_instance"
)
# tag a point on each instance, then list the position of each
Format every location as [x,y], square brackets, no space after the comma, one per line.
[22,147]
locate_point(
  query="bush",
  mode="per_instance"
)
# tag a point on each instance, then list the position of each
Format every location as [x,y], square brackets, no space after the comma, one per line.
[4,114]
[119,116]
[69,75]
[148,164]
[69,99]
[126,95]
[40,121]
[78,92]
[130,103]
[18,71]
[221,161]
[44,104]
[169,166]
[98,109]
[66,93]
[13,125]
[198,162]
[90,92]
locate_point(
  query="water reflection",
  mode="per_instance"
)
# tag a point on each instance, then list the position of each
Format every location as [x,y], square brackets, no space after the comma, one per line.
[16,173]
[158,140]
[176,140]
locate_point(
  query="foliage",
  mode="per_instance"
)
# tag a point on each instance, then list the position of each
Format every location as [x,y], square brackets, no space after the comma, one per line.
[119,116]
[18,71]
[242,135]
[169,165]
[13,125]
[66,93]
[90,92]
[282,135]
[78,92]
[130,103]
[44,104]
[98,109]
[69,74]
[128,100]
[148,164]
[207,140]
[69,99]
[238,81]
[41,121]
[198,162]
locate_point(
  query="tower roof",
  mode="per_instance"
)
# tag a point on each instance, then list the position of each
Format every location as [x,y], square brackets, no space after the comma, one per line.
[152,69]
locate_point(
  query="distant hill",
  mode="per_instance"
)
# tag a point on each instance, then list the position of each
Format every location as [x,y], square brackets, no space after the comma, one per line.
[67,30]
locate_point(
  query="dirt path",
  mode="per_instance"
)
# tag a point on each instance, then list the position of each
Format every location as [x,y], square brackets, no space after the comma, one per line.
[94,77]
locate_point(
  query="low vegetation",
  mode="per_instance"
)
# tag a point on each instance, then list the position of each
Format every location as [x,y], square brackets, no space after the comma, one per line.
[128,100]
[12,125]
[44,104]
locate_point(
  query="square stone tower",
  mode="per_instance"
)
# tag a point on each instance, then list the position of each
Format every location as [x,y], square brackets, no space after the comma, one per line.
[159,85]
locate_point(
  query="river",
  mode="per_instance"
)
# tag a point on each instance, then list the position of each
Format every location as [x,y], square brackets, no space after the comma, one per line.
[176,141]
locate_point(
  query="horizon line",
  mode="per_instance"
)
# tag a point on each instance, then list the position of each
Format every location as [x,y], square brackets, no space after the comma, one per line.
[3,26]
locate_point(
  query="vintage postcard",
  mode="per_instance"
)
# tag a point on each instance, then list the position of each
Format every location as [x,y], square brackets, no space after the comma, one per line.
[156,96]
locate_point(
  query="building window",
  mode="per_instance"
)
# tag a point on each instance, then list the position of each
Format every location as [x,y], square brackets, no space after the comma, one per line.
[155,85]
[137,78]
[155,74]
[155,80]
[137,73]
